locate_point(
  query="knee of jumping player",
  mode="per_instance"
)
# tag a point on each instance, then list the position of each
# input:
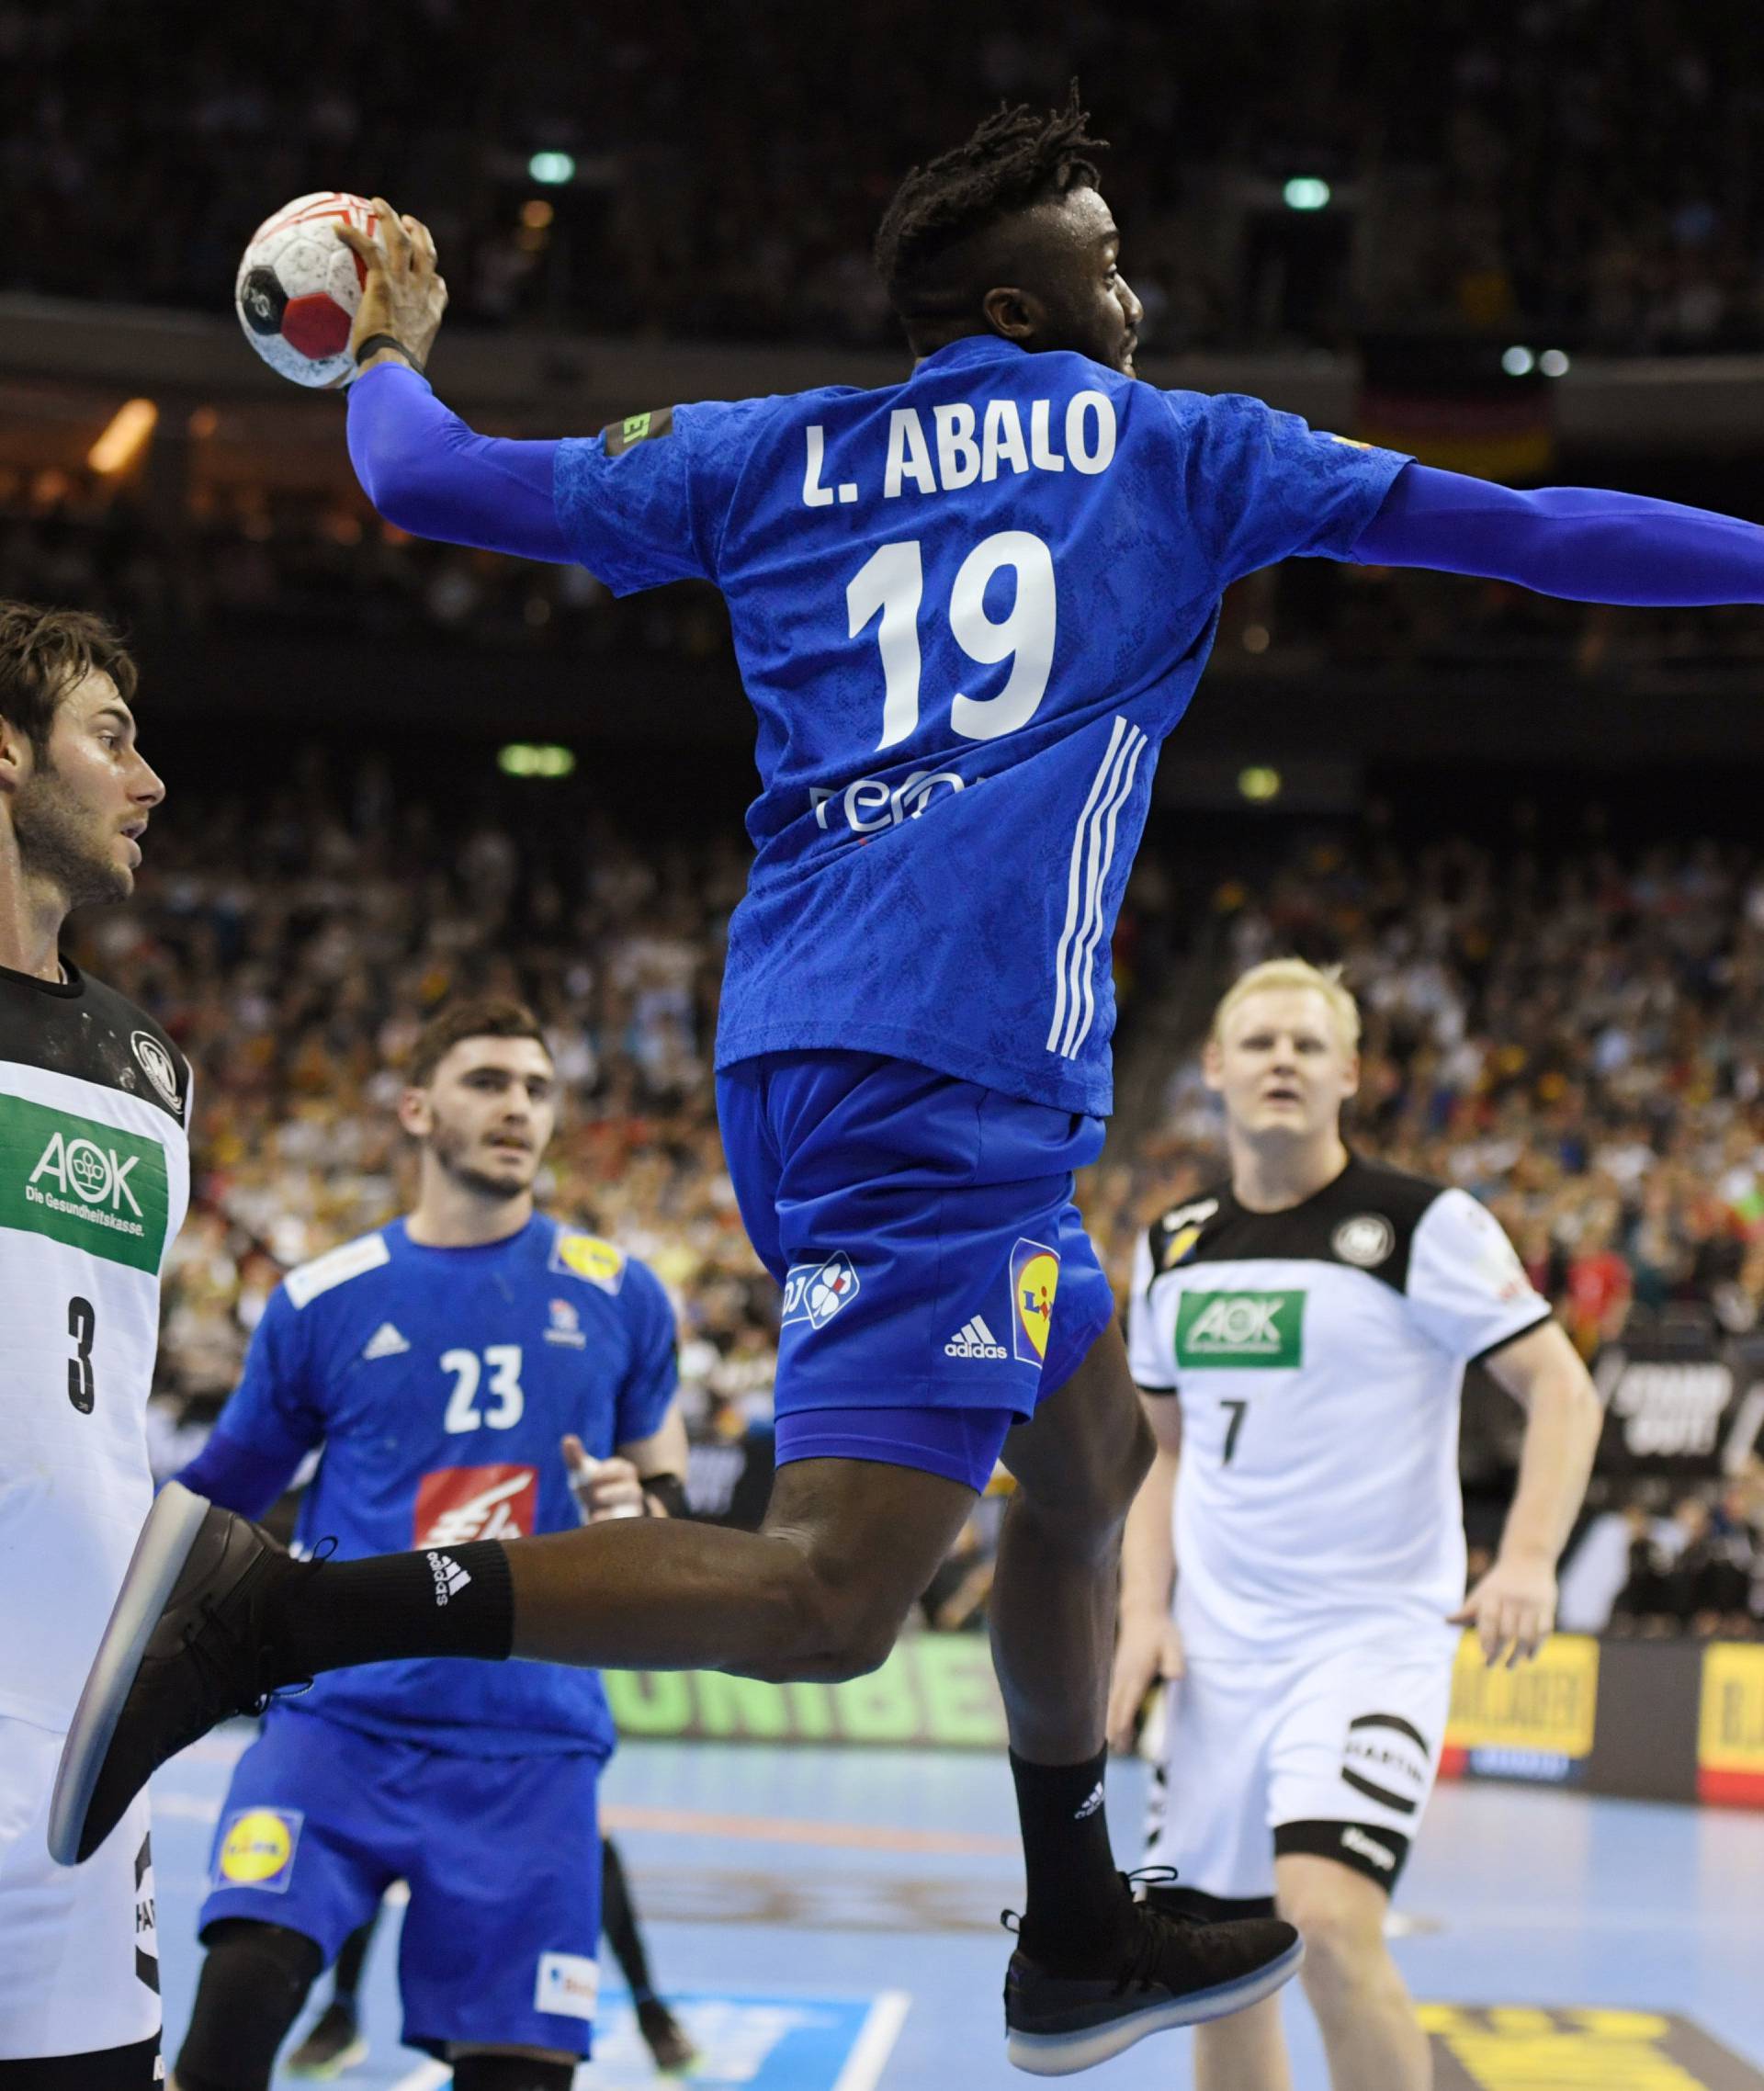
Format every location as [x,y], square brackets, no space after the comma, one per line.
[832,1629]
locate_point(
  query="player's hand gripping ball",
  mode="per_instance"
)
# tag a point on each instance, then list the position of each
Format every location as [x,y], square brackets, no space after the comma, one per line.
[299,287]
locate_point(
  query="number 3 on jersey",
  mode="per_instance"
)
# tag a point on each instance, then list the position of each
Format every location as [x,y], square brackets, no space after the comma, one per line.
[892,582]
[504,1362]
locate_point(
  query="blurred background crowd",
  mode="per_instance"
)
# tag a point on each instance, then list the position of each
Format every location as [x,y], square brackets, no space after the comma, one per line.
[1576,1036]
[1479,163]
[1356,207]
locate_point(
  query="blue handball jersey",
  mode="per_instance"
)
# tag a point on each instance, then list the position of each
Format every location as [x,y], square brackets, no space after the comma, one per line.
[968,609]
[438,1383]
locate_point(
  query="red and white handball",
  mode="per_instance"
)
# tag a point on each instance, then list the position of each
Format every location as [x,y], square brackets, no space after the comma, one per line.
[299,286]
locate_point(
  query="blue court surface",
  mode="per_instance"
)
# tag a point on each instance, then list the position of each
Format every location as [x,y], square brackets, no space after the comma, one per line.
[827,1920]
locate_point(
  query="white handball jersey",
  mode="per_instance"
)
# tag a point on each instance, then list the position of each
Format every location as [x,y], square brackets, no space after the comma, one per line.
[94,1179]
[1319,1355]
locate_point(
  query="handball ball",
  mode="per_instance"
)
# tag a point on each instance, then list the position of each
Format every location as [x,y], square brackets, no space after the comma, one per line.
[299,286]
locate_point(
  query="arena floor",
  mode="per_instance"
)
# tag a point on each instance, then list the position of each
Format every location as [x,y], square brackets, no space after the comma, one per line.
[814,1945]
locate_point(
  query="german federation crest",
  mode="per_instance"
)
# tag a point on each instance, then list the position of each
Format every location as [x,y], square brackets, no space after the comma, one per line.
[1034,1279]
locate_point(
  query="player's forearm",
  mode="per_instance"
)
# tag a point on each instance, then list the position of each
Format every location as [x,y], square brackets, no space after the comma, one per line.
[1579,542]
[1561,1438]
[1149,1546]
[242,1477]
[424,470]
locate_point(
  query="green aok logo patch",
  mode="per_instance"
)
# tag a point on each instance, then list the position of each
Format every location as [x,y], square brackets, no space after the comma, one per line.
[77,1180]
[1264,1329]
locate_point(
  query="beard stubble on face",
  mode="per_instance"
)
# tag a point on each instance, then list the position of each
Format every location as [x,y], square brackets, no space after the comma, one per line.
[59,842]
[449,1144]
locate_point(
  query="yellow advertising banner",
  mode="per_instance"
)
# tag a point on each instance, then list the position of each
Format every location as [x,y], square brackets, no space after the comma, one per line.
[1730,1726]
[1546,1706]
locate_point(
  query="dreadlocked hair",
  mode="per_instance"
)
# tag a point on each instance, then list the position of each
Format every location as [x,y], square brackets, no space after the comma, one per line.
[1017,158]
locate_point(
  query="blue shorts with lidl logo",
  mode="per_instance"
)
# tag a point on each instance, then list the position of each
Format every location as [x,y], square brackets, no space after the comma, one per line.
[500,1855]
[938,1281]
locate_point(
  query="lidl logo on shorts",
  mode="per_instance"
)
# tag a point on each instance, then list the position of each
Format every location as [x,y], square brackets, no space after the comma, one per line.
[1034,1279]
[568,1984]
[1258,1329]
[586,1255]
[815,1292]
[257,1847]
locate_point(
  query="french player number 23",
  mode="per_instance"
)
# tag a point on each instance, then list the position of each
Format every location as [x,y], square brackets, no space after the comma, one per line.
[502,1361]
[891,584]
[82,1326]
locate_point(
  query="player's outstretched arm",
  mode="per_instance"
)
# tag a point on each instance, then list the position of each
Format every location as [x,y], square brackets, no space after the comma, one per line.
[1148,1646]
[420,465]
[1579,542]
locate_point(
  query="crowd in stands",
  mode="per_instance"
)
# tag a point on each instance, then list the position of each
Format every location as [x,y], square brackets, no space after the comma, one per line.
[1579,1041]
[1512,161]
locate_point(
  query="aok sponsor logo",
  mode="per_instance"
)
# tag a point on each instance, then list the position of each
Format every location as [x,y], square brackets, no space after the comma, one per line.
[83,1182]
[1257,1329]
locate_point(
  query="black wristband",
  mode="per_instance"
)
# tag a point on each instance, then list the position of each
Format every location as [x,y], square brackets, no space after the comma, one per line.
[669,1491]
[374,342]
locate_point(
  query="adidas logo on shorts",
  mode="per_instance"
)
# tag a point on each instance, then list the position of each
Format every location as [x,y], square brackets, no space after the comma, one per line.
[449,1577]
[974,1341]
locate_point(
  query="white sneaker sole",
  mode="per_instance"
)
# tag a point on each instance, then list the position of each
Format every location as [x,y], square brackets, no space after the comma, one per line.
[153,1568]
[1064,2054]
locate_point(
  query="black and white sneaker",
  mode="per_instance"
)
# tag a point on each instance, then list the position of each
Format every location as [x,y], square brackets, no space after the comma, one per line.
[1172,1971]
[335,2044]
[184,1648]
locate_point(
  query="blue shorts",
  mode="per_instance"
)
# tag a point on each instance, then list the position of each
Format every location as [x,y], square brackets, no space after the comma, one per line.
[501,1856]
[938,1282]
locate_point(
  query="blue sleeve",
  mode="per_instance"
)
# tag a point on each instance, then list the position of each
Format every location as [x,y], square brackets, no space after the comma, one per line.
[1260,486]
[270,1425]
[424,470]
[650,1383]
[1579,542]
[647,501]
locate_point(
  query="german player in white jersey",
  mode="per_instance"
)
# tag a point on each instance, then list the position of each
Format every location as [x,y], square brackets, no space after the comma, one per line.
[1300,1334]
[94,1181]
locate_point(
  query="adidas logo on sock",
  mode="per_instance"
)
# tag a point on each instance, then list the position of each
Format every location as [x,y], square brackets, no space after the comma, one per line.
[974,1341]
[1092,1802]
[385,1342]
[449,1577]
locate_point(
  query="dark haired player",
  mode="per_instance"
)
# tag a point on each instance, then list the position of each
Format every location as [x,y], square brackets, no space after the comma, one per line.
[94,1179]
[968,608]
[441,1361]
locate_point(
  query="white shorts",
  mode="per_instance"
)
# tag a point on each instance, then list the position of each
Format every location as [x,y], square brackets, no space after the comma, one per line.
[1333,1755]
[79,1956]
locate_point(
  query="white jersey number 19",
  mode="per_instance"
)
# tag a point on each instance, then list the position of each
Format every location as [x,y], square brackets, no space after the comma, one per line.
[892,582]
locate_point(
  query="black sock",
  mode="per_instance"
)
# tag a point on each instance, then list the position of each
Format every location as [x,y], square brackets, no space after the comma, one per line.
[455,1600]
[1076,1908]
[351,1960]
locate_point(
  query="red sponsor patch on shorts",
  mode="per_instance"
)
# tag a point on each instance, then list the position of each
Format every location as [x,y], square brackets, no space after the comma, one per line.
[459,1503]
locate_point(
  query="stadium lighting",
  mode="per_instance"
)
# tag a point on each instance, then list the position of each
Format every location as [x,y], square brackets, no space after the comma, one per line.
[1517,362]
[1552,363]
[1259,783]
[125,438]
[554,169]
[1304,192]
[532,759]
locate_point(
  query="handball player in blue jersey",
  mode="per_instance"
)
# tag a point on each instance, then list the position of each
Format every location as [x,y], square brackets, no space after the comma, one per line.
[967,610]
[454,1367]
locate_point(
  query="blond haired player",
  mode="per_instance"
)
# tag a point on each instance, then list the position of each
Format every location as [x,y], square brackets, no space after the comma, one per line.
[1300,1334]
[94,1179]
